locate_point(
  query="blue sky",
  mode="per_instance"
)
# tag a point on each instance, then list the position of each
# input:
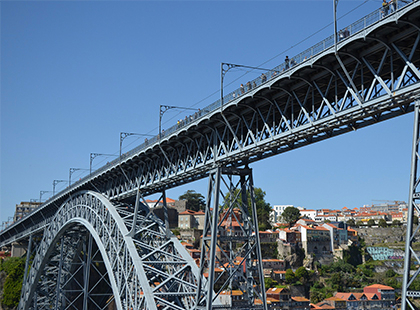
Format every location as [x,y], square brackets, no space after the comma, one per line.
[74,74]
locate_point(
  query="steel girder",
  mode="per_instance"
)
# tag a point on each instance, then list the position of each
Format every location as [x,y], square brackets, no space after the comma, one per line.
[373,77]
[412,235]
[95,253]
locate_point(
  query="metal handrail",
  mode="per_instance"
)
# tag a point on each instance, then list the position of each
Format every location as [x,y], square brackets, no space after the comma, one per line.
[314,50]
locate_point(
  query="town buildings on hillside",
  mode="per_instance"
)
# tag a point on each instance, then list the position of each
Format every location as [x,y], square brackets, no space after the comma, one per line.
[396,210]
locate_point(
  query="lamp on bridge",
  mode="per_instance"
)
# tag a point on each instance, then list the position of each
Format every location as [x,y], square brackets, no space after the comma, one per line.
[124,135]
[93,156]
[225,67]
[335,2]
[163,109]
[41,193]
[72,170]
[55,182]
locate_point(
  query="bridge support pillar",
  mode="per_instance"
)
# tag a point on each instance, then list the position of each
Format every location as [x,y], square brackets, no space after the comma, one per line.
[18,249]
[413,205]
[231,253]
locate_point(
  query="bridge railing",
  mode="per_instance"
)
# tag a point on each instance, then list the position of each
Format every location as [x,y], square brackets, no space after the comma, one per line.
[314,50]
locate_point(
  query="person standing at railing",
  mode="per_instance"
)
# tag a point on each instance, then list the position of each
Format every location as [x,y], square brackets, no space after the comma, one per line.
[394,5]
[346,33]
[242,88]
[385,8]
[263,78]
[248,86]
[287,62]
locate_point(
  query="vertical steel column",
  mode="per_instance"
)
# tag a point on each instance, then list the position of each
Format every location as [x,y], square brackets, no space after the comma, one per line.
[60,268]
[165,215]
[28,256]
[213,241]
[257,241]
[414,195]
[87,262]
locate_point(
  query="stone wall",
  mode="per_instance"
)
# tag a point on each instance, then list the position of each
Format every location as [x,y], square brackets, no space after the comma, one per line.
[380,235]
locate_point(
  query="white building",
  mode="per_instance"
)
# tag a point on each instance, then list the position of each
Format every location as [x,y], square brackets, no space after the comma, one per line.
[278,210]
[310,214]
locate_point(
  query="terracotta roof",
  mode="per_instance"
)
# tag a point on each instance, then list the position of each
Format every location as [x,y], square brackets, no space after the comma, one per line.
[274,290]
[371,296]
[299,298]
[380,286]
[234,293]
[187,212]
[344,296]
[335,298]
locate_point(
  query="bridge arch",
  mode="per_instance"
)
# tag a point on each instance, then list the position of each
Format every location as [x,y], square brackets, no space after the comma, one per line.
[93,212]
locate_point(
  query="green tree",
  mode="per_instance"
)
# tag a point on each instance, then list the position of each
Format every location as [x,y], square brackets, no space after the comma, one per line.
[382,223]
[396,223]
[13,283]
[317,296]
[302,275]
[371,222]
[290,215]
[263,207]
[351,222]
[195,201]
[269,283]
[337,281]
[290,276]
[415,220]
[359,223]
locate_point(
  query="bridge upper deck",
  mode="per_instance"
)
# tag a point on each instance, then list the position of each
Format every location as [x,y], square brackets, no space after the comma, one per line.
[373,77]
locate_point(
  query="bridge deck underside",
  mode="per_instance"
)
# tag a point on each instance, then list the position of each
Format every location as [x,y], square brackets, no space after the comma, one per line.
[373,77]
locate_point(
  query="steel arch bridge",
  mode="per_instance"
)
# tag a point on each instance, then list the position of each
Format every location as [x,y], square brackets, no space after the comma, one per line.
[101,248]
[121,269]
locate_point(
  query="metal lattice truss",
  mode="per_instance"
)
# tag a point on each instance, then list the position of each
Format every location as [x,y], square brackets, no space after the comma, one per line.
[231,243]
[372,77]
[95,254]
[409,290]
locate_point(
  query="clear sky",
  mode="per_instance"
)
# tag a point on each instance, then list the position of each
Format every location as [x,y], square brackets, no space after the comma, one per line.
[74,74]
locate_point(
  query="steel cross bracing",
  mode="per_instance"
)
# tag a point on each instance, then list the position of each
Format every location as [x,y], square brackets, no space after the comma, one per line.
[373,76]
[89,258]
[231,243]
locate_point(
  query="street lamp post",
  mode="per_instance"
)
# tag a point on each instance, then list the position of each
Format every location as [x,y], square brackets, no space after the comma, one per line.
[55,182]
[93,156]
[72,170]
[225,67]
[41,193]
[335,2]
[163,109]
[124,135]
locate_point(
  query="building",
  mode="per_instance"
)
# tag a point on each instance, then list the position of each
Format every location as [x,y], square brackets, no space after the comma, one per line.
[338,235]
[186,219]
[309,214]
[337,303]
[315,240]
[24,208]
[280,298]
[278,210]
[386,295]
[299,303]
